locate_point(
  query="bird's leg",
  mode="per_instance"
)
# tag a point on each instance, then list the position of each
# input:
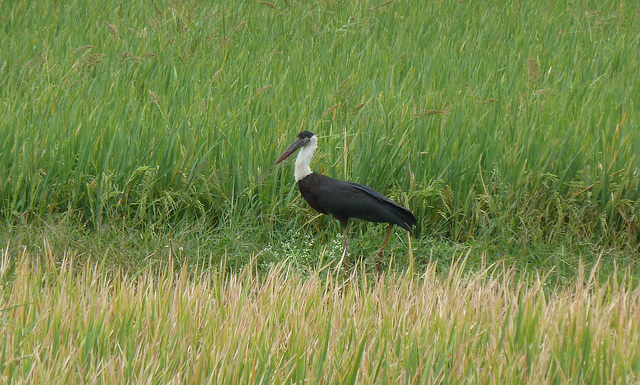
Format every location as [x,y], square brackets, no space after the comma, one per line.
[346,244]
[386,238]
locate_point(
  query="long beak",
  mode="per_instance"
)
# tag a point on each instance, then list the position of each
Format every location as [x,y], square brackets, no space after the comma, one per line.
[294,146]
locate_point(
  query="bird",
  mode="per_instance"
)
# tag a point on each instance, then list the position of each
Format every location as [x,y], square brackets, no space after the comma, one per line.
[341,199]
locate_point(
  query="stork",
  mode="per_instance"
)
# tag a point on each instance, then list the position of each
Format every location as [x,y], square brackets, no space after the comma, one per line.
[343,200]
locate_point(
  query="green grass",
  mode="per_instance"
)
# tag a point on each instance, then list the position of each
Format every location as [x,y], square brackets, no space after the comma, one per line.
[508,122]
[194,245]
[61,324]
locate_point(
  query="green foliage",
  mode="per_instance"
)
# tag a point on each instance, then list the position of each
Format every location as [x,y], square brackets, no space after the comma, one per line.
[508,121]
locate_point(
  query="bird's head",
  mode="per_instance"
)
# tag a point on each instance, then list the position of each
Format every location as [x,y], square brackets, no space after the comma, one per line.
[302,140]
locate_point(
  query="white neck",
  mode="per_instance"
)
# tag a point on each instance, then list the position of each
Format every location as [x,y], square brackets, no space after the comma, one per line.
[304,158]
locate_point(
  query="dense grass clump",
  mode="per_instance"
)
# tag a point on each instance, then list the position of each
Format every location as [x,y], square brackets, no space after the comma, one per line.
[509,122]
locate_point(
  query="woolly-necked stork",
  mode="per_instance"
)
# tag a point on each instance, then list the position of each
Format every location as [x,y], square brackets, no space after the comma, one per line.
[343,200]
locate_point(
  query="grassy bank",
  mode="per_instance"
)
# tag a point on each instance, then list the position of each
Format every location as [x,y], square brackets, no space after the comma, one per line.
[514,123]
[199,245]
[64,325]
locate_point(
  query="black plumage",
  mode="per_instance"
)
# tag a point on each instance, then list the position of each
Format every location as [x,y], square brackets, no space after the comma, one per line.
[347,200]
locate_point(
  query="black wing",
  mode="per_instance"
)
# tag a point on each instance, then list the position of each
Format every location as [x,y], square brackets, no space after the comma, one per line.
[346,200]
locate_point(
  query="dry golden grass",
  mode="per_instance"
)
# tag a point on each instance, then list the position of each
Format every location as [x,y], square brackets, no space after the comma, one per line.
[59,325]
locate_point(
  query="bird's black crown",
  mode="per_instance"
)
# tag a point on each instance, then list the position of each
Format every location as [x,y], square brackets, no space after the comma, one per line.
[305,135]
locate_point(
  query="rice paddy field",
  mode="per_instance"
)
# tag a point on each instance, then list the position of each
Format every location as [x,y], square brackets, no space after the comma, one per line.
[147,237]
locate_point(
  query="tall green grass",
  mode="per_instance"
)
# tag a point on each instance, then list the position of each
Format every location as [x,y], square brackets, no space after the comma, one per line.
[98,324]
[512,121]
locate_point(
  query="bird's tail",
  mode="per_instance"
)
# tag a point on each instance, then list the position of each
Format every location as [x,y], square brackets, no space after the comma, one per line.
[404,218]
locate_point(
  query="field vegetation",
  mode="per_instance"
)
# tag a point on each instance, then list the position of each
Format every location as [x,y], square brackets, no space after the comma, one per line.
[206,326]
[139,204]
